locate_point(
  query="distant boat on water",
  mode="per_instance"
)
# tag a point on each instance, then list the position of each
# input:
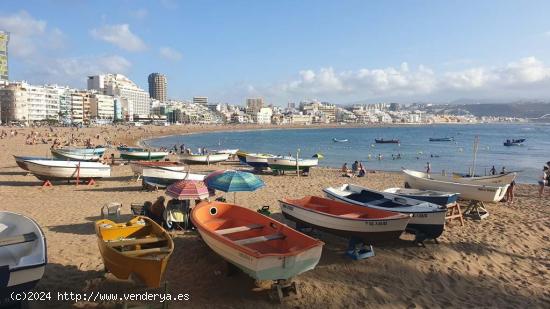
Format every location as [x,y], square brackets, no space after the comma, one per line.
[514,142]
[336,140]
[386,141]
[441,139]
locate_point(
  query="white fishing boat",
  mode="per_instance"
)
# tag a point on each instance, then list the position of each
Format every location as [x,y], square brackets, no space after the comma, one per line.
[258,160]
[22,254]
[436,197]
[428,219]
[262,247]
[138,166]
[162,177]
[477,191]
[500,179]
[142,154]
[76,155]
[285,163]
[204,159]
[53,170]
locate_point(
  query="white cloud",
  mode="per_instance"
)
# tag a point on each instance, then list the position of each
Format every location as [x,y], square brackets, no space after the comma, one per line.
[169,53]
[139,13]
[119,35]
[523,78]
[73,71]
[29,35]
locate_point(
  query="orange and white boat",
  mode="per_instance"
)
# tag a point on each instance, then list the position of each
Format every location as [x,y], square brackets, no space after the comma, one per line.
[140,247]
[347,220]
[263,248]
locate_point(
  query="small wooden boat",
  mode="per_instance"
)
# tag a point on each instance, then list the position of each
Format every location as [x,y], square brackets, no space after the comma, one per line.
[441,139]
[76,155]
[204,159]
[130,149]
[56,169]
[336,140]
[343,219]
[140,247]
[263,248]
[258,160]
[514,142]
[161,177]
[469,190]
[290,164]
[428,219]
[98,150]
[22,254]
[21,160]
[436,197]
[142,155]
[386,141]
[137,166]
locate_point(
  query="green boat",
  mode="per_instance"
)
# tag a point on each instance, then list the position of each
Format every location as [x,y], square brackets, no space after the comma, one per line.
[143,155]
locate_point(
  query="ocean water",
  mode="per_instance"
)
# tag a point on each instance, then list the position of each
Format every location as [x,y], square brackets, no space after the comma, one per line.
[414,147]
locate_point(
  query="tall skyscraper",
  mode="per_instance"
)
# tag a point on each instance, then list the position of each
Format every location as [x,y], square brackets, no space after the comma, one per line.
[254,105]
[4,39]
[157,86]
[200,100]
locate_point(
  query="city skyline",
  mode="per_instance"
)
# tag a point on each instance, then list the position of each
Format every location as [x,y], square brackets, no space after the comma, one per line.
[289,51]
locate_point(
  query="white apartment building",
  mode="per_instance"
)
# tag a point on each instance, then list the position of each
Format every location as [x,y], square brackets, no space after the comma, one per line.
[200,100]
[121,86]
[263,116]
[102,106]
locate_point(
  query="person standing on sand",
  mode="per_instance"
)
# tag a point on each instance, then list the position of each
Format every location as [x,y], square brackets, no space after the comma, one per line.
[510,194]
[493,170]
[428,167]
[544,180]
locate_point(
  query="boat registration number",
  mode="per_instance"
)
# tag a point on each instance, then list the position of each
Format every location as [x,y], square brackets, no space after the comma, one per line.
[420,215]
[378,223]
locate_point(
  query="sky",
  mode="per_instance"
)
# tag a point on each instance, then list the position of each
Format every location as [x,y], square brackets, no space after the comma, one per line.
[290,50]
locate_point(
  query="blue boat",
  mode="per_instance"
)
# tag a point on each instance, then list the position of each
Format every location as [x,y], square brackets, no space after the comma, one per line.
[431,196]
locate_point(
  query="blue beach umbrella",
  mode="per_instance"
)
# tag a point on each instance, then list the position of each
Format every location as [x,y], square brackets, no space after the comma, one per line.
[234,181]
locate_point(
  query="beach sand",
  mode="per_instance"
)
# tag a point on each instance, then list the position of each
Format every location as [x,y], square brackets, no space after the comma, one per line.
[501,262]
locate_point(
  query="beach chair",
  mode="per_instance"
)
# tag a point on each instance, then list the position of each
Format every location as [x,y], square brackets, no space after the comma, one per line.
[111,209]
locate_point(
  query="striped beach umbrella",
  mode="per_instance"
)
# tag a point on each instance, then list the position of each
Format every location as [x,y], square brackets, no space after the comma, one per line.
[188,190]
[235,181]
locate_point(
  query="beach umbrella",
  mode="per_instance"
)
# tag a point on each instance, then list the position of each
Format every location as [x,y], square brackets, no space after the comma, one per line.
[188,190]
[213,174]
[235,181]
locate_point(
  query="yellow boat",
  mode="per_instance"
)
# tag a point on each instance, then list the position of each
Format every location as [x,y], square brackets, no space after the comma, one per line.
[140,246]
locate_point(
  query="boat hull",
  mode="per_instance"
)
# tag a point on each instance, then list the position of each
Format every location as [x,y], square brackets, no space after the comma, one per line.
[205,159]
[285,164]
[439,199]
[468,191]
[21,161]
[143,155]
[137,166]
[76,156]
[162,178]
[56,170]
[258,161]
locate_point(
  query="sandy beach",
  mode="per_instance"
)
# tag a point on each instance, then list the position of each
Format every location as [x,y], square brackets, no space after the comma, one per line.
[500,262]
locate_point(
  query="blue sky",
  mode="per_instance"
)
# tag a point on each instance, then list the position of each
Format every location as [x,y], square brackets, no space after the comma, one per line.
[341,51]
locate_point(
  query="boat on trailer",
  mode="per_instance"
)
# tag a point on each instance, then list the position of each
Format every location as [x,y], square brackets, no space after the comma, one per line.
[22,254]
[57,169]
[436,197]
[370,225]
[21,160]
[139,246]
[469,190]
[262,247]
[428,219]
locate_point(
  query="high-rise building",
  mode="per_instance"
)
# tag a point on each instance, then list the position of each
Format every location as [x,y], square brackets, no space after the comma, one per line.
[157,86]
[254,105]
[200,100]
[4,39]
[134,99]
[26,103]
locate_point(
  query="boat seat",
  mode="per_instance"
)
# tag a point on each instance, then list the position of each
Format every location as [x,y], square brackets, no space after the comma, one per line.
[352,215]
[237,229]
[133,241]
[146,251]
[18,239]
[257,239]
